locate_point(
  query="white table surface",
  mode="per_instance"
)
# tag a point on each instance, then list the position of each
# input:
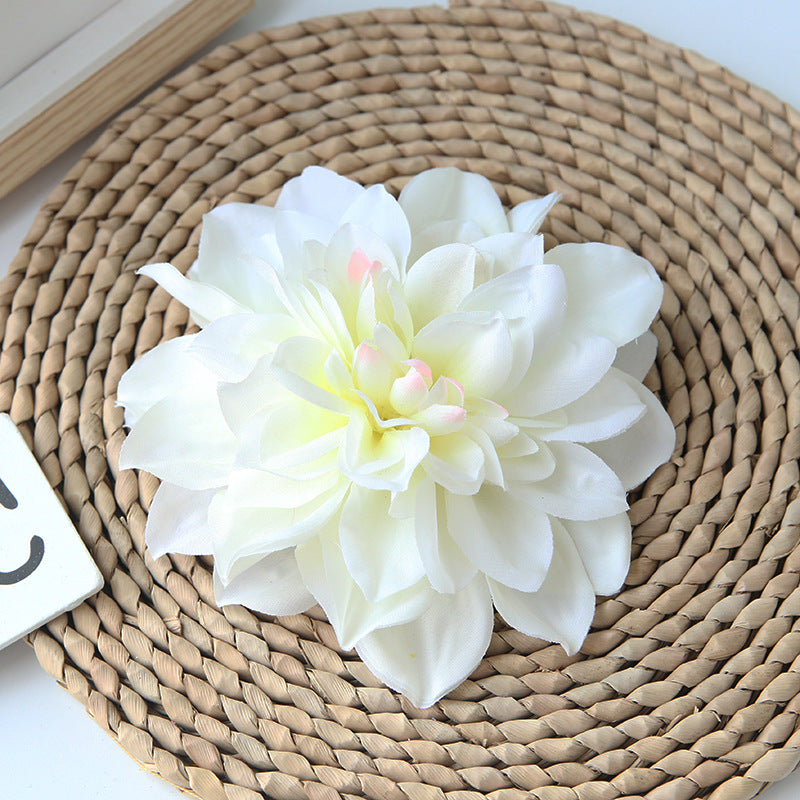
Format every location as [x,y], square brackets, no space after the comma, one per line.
[49,747]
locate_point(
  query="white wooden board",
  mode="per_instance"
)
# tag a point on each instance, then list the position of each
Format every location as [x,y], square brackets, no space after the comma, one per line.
[45,569]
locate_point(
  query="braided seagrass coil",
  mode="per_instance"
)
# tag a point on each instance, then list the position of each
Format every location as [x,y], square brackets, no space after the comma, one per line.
[688,685]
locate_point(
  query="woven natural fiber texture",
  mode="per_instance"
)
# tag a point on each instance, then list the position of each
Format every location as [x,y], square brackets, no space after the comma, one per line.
[688,685]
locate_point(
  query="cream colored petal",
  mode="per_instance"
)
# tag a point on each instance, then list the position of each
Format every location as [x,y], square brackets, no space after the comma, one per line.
[447,193]
[431,655]
[613,292]
[581,486]
[159,373]
[527,217]
[502,535]
[273,585]
[204,301]
[447,568]
[353,617]
[604,546]
[178,521]
[635,453]
[380,551]
[438,281]
[184,440]
[563,607]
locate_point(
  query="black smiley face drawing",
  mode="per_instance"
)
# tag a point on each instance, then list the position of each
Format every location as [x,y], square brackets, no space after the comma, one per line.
[9,502]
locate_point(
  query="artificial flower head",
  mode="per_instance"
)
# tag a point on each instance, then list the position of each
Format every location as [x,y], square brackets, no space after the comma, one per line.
[405,411]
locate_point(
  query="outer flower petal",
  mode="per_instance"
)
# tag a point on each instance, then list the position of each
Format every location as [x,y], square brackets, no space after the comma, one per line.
[562,374]
[380,552]
[502,536]
[607,409]
[319,192]
[204,301]
[325,573]
[195,453]
[625,454]
[240,533]
[427,658]
[375,209]
[232,237]
[604,546]
[562,609]
[158,373]
[447,568]
[528,217]
[510,251]
[446,193]
[637,356]
[612,291]
[581,487]
[273,585]
[178,521]
[441,233]
[230,346]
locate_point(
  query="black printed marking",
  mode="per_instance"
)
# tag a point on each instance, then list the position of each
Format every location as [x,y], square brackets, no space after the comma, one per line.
[7,500]
[20,573]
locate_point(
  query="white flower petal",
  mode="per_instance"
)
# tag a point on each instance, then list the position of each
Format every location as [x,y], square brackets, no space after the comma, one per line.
[230,346]
[427,658]
[273,585]
[257,488]
[319,192]
[160,372]
[637,356]
[182,439]
[242,532]
[455,462]
[384,460]
[380,551]
[565,371]
[511,251]
[447,568]
[604,546]
[178,521]
[446,193]
[233,236]
[438,281]
[376,210]
[502,536]
[204,301]
[473,348]
[635,454]
[610,407]
[299,237]
[528,467]
[562,609]
[527,217]
[299,364]
[325,573]
[612,291]
[441,233]
[581,487]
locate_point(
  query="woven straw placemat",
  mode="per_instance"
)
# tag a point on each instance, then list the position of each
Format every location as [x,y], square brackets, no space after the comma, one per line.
[689,683]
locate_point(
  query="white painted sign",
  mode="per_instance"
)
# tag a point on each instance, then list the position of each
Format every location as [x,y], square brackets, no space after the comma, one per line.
[45,569]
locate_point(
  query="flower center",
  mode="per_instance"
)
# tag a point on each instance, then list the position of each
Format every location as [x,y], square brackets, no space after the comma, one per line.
[404,394]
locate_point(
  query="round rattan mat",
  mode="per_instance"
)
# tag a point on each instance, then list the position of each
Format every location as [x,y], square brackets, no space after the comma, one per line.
[689,683]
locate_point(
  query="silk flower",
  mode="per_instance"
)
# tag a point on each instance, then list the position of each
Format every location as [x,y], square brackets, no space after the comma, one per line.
[405,411]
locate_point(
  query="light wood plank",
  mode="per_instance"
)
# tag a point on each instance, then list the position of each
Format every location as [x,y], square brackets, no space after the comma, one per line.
[112,87]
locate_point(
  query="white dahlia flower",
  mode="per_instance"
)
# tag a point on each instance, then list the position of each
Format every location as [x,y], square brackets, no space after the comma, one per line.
[406,412]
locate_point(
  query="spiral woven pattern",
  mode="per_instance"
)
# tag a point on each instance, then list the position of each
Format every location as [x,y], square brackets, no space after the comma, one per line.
[688,685]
